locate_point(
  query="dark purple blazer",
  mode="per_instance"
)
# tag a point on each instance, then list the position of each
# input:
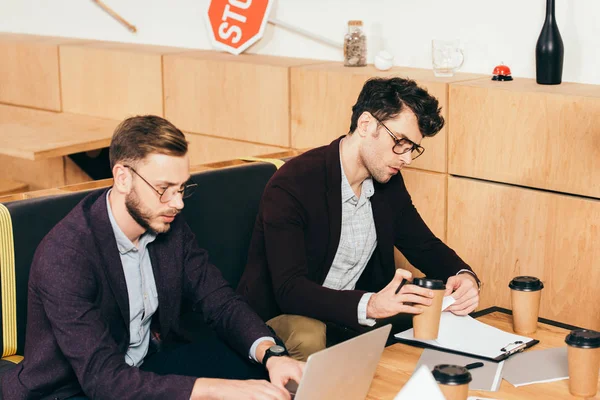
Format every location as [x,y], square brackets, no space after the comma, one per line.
[78,311]
[297,233]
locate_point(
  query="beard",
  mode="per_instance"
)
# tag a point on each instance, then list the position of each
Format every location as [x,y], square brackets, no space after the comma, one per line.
[379,174]
[144,217]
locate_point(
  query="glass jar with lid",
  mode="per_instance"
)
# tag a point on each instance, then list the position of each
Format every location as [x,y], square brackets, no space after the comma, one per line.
[355,45]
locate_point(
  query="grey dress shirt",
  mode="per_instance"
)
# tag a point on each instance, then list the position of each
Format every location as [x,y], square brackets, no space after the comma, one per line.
[358,240]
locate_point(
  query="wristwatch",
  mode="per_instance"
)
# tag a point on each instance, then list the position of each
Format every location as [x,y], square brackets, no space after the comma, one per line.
[274,351]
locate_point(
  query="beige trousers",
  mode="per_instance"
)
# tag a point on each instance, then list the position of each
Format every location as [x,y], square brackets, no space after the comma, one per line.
[302,336]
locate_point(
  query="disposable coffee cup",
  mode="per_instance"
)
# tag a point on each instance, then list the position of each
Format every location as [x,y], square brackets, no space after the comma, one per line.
[526,292]
[453,381]
[584,362]
[427,324]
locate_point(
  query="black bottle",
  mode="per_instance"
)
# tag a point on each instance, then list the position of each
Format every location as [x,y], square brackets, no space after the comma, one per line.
[549,51]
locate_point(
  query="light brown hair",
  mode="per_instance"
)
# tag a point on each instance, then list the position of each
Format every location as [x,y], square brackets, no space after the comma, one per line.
[137,137]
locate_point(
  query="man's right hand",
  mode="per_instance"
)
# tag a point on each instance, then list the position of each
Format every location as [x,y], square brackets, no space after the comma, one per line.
[386,303]
[230,389]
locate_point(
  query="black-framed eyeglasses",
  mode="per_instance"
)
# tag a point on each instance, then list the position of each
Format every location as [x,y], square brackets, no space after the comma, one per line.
[167,195]
[403,145]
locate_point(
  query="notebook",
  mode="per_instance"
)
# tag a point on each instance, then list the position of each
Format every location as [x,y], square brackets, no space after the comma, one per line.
[467,336]
[537,367]
[487,378]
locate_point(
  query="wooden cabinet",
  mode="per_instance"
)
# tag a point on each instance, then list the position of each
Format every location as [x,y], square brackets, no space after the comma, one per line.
[206,149]
[243,97]
[428,193]
[112,80]
[527,134]
[504,231]
[29,71]
[323,95]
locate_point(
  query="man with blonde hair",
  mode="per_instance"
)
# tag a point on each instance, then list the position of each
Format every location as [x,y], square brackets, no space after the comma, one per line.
[107,288]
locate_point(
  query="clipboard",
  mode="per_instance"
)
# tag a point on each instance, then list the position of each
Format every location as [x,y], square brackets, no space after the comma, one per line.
[466,336]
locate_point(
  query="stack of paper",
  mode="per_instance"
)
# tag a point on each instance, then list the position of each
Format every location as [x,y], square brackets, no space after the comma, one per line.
[468,336]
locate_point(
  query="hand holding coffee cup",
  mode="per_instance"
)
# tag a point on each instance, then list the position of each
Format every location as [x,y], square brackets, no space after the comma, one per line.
[399,296]
[453,381]
[526,292]
[427,324]
[584,362]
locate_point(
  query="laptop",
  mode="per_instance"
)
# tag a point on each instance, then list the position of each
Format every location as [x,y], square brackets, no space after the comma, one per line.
[344,371]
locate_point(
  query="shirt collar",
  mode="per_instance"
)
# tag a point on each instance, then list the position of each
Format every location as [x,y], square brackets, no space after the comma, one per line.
[367,189]
[123,243]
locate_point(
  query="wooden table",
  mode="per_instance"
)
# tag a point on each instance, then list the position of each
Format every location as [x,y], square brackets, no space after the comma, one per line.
[399,360]
[35,144]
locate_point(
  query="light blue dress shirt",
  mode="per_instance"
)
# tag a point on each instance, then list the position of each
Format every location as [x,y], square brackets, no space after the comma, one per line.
[141,290]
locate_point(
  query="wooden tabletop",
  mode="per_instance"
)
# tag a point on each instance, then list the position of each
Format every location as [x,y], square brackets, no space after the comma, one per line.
[35,134]
[398,363]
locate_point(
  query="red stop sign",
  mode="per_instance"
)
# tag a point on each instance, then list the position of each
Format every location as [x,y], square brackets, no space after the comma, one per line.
[235,25]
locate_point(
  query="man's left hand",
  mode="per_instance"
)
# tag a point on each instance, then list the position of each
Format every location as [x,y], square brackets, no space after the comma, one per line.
[283,369]
[463,287]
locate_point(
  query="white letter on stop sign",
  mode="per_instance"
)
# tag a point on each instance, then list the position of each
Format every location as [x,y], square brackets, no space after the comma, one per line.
[240,4]
[225,33]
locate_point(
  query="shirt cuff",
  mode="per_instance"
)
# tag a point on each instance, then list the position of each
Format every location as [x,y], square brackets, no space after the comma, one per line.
[468,271]
[362,310]
[252,352]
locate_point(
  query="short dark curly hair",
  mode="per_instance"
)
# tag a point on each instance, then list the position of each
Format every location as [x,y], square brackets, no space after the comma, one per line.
[386,98]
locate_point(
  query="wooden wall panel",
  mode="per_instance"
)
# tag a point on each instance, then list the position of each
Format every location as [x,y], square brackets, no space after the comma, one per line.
[112,80]
[322,97]
[8,186]
[42,174]
[29,74]
[503,231]
[428,192]
[206,149]
[242,97]
[73,173]
[527,134]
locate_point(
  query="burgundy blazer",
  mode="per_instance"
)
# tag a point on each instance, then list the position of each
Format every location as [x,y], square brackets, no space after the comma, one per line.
[297,233]
[78,311]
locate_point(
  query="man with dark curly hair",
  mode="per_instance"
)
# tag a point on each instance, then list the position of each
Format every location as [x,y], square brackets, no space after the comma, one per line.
[323,243]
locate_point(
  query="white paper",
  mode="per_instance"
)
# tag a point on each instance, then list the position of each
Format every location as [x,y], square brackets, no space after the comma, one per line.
[421,385]
[467,335]
[447,302]
[479,398]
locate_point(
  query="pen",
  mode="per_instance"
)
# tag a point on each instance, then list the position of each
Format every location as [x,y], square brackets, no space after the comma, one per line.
[474,365]
[400,286]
